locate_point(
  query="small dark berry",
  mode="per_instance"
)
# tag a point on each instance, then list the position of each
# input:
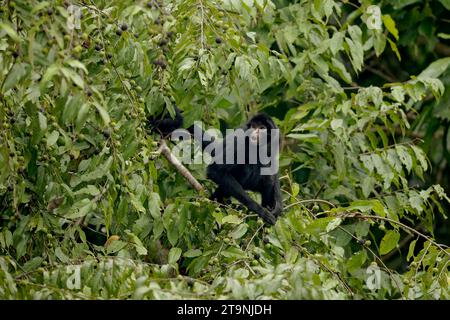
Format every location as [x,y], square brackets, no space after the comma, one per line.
[109,55]
[89,92]
[98,47]
[136,35]
[119,32]
[257,256]
[163,42]
[15,54]
[49,11]
[170,34]
[218,40]
[124,27]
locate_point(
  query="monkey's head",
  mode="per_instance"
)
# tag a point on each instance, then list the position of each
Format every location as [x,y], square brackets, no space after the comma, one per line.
[260,124]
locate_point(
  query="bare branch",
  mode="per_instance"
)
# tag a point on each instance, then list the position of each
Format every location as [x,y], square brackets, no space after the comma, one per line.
[165,151]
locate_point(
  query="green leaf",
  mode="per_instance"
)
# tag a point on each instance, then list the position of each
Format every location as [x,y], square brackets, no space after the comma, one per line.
[295,189]
[172,233]
[336,222]
[405,157]
[17,73]
[61,256]
[232,219]
[398,93]
[48,75]
[319,225]
[98,173]
[154,205]
[412,245]
[233,252]
[389,241]
[379,43]
[362,228]
[394,48]
[83,113]
[91,190]
[136,203]
[32,264]
[355,48]
[40,6]
[443,35]
[445,3]
[435,69]
[52,138]
[6,27]
[103,113]
[174,255]
[356,261]
[239,231]
[115,246]
[76,64]
[42,121]
[389,23]
[366,205]
[420,155]
[192,253]
[8,238]
[140,249]
[73,76]
[338,67]
[79,209]
[399,4]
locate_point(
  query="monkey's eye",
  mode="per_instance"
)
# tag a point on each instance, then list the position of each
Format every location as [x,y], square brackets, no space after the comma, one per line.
[258,127]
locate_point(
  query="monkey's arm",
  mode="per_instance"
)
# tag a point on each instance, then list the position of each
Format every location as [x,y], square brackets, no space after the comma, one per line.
[227,182]
[166,124]
[277,204]
[271,195]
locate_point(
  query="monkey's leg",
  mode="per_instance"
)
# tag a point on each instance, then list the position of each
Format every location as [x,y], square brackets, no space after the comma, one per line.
[234,189]
[271,196]
[220,196]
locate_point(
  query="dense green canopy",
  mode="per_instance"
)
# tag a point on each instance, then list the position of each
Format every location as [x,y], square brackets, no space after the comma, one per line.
[89,210]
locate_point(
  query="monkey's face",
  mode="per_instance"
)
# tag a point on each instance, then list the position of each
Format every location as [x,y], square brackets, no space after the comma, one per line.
[257,131]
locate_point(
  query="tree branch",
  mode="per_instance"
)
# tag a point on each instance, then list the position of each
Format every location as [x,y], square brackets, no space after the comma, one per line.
[165,151]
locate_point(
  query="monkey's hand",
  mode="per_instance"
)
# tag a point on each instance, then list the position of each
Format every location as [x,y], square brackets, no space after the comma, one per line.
[277,211]
[267,216]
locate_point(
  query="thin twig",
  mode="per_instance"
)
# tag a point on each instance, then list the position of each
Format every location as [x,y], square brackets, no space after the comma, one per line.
[363,216]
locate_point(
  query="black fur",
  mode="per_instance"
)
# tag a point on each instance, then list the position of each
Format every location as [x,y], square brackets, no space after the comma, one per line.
[234,179]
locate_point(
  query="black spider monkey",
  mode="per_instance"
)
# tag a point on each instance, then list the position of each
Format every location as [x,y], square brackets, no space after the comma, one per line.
[233,179]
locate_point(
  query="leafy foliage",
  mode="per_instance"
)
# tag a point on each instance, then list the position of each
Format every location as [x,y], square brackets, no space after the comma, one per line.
[89,212]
